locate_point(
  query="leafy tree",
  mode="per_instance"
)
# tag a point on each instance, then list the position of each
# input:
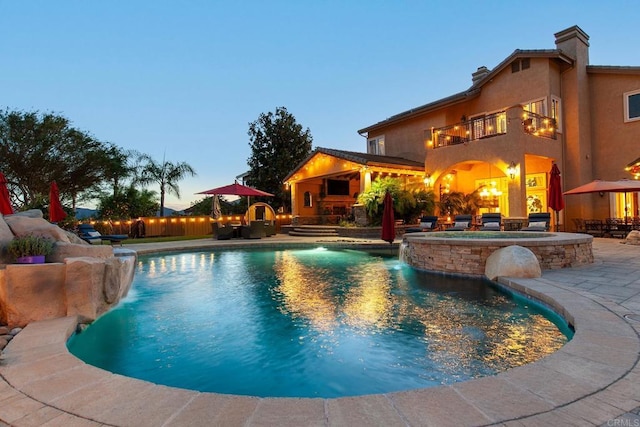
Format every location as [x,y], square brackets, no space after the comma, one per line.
[130,203]
[166,175]
[278,143]
[203,207]
[36,149]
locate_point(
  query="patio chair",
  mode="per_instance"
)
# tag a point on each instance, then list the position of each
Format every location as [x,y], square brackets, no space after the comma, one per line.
[427,223]
[94,237]
[594,227]
[491,221]
[538,222]
[255,230]
[461,223]
[222,232]
[270,228]
[615,227]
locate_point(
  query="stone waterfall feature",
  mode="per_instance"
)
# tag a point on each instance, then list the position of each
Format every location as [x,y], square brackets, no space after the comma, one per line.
[77,279]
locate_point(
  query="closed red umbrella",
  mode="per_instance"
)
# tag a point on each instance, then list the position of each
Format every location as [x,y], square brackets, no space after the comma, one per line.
[556,202]
[5,201]
[56,213]
[388,221]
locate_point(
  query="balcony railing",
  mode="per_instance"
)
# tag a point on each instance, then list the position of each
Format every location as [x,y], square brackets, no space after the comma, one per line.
[489,126]
[537,125]
[477,128]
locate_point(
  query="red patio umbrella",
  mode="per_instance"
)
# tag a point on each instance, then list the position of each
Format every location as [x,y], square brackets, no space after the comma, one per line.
[556,202]
[599,186]
[5,201]
[56,213]
[236,189]
[388,221]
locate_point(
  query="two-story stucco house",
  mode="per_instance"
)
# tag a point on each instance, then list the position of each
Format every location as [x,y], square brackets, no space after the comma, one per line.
[501,137]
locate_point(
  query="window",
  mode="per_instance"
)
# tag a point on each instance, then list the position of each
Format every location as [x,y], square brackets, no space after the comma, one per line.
[537,107]
[556,112]
[308,200]
[520,64]
[376,145]
[632,106]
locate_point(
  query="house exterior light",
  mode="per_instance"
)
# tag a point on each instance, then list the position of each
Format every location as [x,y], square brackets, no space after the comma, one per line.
[512,170]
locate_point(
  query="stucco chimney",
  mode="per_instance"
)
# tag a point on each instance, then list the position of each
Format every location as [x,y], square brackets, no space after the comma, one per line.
[574,42]
[479,74]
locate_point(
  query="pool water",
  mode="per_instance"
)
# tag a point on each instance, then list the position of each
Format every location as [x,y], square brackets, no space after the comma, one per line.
[311,323]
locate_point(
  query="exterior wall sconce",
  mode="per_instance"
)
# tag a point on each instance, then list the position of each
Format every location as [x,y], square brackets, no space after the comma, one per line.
[427,180]
[512,170]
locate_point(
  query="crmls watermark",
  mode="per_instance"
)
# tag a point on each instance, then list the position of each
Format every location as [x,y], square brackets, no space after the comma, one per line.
[624,422]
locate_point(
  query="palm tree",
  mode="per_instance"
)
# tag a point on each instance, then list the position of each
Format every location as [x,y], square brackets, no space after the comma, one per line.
[166,174]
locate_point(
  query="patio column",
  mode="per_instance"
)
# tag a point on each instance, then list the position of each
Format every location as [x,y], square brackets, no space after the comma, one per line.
[294,200]
[365,180]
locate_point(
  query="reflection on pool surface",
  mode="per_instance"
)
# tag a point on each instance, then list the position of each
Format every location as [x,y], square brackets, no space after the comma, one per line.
[311,323]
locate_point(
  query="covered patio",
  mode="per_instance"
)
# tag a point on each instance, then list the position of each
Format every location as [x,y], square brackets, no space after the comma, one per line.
[325,186]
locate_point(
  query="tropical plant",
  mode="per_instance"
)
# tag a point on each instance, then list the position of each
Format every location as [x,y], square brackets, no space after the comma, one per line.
[407,205]
[457,202]
[30,245]
[166,174]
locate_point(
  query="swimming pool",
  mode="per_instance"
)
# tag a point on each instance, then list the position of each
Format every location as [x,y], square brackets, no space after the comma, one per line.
[311,323]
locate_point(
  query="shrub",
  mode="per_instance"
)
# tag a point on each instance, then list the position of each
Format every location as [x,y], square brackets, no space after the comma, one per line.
[29,246]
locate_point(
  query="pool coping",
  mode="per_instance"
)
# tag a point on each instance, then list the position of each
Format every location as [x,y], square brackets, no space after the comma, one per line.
[592,379]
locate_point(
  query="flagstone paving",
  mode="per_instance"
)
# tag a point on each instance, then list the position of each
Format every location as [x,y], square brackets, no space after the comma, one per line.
[593,380]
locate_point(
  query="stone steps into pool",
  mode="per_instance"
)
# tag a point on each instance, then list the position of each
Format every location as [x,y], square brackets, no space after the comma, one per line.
[314,231]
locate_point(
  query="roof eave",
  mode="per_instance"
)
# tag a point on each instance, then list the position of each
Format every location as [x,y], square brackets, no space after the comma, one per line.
[473,91]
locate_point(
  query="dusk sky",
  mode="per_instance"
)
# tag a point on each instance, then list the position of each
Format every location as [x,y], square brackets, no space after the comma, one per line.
[184,79]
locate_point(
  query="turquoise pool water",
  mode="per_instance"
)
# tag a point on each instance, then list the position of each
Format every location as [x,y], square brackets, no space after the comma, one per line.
[311,323]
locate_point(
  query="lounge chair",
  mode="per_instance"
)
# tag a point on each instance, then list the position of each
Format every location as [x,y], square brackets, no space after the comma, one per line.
[93,236]
[538,222]
[221,232]
[255,230]
[427,223]
[461,223]
[491,221]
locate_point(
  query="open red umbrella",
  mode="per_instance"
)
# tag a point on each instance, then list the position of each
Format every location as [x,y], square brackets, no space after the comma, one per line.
[5,201]
[236,189]
[56,213]
[388,221]
[599,186]
[556,202]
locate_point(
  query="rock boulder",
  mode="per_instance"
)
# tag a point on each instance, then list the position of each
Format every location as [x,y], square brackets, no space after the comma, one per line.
[512,261]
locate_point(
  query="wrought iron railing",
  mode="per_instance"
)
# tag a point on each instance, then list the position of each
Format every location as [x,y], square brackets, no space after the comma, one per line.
[489,126]
[476,128]
[537,125]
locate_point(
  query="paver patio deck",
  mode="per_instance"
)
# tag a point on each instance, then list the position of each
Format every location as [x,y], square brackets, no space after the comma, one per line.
[593,380]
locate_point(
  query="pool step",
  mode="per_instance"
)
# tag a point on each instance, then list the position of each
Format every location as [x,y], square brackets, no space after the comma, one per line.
[314,231]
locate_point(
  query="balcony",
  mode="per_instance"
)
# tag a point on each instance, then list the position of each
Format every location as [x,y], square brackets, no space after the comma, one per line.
[537,125]
[489,126]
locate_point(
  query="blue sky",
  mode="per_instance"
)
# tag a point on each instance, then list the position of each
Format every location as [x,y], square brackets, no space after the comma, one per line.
[184,79]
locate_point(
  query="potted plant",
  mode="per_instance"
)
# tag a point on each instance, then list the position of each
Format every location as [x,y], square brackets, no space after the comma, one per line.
[30,249]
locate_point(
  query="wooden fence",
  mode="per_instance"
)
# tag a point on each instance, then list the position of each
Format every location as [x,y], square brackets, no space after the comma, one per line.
[174,225]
